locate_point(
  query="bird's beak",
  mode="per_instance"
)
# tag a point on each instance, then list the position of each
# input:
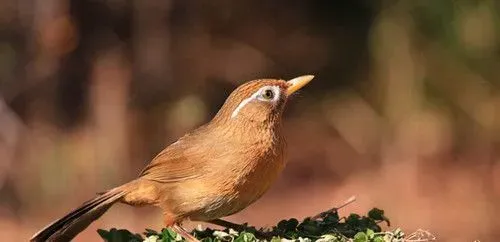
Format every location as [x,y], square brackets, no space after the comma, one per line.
[297,83]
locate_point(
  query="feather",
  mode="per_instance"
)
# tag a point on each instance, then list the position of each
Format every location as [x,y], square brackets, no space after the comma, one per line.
[69,226]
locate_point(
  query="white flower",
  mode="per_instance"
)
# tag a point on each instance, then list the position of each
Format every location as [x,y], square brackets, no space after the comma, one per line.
[152,238]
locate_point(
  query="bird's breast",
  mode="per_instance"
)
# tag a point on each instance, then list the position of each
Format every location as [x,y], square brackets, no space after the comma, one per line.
[245,177]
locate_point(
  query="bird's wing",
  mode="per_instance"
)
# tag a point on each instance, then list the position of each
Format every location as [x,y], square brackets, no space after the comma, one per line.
[181,160]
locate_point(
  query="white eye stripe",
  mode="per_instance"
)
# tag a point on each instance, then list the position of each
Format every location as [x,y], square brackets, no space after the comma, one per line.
[243,103]
[257,95]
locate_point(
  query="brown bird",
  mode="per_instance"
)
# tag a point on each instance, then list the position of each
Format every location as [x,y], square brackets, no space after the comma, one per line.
[212,172]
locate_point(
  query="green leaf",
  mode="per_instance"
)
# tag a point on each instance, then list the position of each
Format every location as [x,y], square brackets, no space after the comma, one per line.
[310,228]
[291,234]
[331,218]
[378,215]
[150,232]
[276,239]
[118,235]
[103,233]
[353,219]
[167,235]
[282,225]
[292,224]
[245,237]
[361,237]
[370,233]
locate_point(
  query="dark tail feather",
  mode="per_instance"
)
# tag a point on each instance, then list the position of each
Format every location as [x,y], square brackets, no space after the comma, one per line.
[67,227]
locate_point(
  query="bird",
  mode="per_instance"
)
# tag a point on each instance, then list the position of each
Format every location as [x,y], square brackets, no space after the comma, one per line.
[214,171]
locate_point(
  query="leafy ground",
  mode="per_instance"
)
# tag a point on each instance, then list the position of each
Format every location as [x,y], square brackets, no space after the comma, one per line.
[326,226]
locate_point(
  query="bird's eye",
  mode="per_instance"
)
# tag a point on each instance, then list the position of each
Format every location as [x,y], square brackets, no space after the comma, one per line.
[268,94]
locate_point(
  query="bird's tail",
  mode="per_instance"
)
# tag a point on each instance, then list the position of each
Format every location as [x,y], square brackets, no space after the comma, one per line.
[67,227]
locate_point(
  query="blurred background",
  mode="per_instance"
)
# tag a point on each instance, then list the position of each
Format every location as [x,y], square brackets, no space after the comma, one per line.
[404,112]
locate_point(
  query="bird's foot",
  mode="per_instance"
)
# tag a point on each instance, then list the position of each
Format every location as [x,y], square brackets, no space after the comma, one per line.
[180,230]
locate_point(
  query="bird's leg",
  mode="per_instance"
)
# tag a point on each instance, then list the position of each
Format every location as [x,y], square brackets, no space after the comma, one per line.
[170,221]
[180,230]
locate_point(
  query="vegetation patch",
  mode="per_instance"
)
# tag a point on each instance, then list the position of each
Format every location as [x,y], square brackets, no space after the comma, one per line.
[327,226]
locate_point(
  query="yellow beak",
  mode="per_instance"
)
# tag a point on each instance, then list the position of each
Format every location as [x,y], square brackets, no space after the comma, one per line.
[297,83]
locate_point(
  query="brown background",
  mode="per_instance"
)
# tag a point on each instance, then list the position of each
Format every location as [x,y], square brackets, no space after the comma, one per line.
[403,113]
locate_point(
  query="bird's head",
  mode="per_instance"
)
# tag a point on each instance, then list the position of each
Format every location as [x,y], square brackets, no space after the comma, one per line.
[259,102]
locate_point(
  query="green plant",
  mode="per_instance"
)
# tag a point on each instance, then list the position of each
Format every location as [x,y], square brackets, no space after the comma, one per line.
[325,227]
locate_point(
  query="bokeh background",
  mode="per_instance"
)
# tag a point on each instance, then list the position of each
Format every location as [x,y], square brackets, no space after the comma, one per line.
[404,112]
